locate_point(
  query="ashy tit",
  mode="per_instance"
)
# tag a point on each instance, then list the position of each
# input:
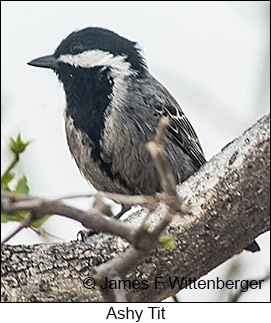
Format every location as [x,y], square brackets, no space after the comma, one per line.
[113,107]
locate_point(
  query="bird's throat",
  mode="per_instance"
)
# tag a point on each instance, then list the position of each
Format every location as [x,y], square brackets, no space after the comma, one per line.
[88,96]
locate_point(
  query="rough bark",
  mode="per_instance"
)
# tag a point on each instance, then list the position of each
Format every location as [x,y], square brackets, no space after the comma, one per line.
[229,199]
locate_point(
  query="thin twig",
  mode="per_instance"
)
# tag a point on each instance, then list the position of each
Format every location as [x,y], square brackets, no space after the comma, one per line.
[114,295]
[131,199]
[168,183]
[141,239]
[146,240]
[92,219]
[11,166]
[25,223]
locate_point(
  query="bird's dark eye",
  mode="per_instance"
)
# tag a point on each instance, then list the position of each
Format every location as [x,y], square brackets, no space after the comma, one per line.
[76,48]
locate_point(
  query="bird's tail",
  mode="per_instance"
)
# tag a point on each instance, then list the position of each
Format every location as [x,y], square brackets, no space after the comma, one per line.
[253,247]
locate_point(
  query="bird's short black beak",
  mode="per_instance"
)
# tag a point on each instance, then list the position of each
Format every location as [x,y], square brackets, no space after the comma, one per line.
[45,61]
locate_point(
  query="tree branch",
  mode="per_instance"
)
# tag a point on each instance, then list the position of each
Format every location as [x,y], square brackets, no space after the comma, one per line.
[229,200]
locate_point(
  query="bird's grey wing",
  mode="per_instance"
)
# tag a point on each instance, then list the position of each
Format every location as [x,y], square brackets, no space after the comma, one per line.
[181,131]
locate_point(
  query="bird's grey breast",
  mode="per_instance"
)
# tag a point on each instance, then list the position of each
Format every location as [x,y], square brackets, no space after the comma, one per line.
[124,165]
[81,146]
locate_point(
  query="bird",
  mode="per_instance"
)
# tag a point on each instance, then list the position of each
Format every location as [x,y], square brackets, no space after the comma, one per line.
[113,107]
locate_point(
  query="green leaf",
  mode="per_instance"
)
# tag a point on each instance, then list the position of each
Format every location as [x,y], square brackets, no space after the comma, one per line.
[6,179]
[18,146]
[147,227]
[17,217]
[167,241]
[38,223]
[4,218]
[22,186]
[20,216]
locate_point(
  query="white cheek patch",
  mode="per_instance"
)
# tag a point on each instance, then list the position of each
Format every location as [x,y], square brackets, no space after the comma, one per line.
[92,58]
[120,71]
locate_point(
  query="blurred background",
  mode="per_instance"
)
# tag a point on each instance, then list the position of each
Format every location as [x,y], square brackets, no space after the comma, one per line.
[212,56]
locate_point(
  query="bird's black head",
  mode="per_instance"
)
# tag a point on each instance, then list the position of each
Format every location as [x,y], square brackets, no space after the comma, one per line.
[95,66]
[94,47]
